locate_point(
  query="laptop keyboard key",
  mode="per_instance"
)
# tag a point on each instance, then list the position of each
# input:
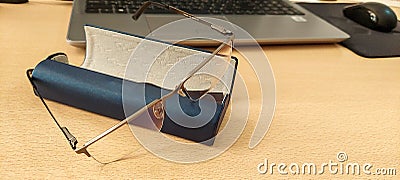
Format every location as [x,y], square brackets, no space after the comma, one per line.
[121,10]
[106,11]
[92,10]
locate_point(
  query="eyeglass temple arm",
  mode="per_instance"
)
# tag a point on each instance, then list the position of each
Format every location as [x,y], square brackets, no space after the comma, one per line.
[145,5]
[71,138]
[130,118]
[217,28]
[203,63]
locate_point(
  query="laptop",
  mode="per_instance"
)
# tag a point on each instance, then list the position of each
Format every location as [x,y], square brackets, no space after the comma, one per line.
[267,21]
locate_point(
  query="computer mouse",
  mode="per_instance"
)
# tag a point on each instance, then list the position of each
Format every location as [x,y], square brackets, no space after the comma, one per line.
[373,15]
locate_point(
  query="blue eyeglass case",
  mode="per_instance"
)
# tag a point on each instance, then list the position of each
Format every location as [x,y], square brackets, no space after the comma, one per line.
[100,92]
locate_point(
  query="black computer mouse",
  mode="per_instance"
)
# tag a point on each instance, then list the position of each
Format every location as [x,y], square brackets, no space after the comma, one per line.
[373,15]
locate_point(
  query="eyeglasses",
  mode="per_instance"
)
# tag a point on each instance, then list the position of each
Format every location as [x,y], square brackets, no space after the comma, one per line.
[156,108]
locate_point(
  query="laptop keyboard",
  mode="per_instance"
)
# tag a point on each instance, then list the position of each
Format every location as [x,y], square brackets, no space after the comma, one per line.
[228,7]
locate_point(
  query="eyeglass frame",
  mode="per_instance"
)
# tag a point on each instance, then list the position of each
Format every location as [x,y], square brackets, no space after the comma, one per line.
[157,104]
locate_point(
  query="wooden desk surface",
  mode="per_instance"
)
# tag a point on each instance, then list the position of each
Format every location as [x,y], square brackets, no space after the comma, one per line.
[329,100]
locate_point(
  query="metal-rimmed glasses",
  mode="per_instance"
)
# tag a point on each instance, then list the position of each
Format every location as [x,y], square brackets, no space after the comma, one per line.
[156,107]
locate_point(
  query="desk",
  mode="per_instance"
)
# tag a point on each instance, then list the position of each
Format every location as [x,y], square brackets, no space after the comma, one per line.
[329,100]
